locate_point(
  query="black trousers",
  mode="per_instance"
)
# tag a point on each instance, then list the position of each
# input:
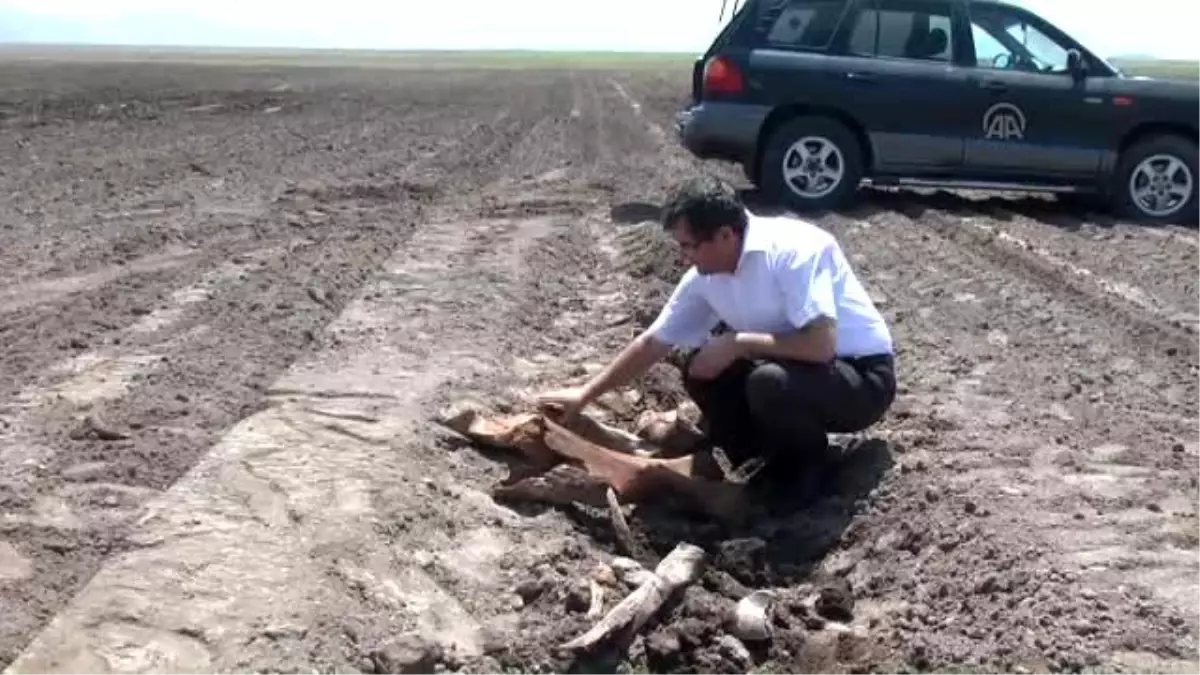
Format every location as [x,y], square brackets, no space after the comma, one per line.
[781,410]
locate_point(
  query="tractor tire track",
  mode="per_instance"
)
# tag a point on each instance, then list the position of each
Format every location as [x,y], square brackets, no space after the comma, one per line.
[164,393]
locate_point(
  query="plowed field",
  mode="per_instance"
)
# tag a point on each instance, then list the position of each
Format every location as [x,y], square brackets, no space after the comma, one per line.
[233,298]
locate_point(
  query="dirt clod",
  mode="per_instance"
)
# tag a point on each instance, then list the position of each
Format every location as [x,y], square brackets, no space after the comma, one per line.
[835,601]
[662,648]
[578,597]
[406,654]
[530,589]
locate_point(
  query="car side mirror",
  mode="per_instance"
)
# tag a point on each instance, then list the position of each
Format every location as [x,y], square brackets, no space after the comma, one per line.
[1076,66]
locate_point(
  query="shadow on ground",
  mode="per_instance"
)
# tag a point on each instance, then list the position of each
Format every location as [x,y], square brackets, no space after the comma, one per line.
[631,213]
[1066,212]
[779,543]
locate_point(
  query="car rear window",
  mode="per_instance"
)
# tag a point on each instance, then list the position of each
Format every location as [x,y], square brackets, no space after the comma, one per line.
[802,24]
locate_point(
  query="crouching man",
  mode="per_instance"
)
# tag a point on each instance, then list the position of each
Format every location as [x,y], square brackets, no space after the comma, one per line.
[806,352]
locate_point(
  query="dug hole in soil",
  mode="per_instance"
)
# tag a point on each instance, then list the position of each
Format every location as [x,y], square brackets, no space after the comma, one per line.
[811,614]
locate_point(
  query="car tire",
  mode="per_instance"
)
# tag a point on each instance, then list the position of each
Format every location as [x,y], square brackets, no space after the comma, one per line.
[1132,172]
[816,134]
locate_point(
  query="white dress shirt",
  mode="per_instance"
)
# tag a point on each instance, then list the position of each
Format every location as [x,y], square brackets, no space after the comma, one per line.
[790,272]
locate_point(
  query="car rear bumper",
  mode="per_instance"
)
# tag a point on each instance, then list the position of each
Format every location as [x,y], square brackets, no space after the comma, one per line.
[726,131]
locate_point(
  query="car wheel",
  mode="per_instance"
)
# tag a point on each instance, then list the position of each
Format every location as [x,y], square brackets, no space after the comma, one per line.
[811,163]
[1156,181]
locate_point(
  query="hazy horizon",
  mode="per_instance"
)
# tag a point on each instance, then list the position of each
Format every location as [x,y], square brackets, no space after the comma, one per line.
[534,25]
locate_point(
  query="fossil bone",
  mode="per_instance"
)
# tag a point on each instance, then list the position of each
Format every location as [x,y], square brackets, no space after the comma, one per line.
[751,616]
[680,568]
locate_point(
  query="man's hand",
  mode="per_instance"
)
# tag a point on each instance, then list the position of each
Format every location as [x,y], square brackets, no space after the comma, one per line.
[633,361]
[567,402]
[715,356]
[815,343]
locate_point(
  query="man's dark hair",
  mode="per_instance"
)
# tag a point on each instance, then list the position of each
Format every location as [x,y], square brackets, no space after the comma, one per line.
[708,203]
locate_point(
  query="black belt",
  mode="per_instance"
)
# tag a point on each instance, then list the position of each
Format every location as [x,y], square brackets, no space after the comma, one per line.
[869,359]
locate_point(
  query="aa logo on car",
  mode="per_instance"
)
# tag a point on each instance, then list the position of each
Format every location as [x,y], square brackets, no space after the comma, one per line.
[1004,121]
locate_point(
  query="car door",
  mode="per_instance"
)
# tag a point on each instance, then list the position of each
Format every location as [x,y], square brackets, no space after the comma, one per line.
[1033,120]
[900,62]
[789,62]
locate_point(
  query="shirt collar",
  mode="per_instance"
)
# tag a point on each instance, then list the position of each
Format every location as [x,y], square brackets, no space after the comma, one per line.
[756,239]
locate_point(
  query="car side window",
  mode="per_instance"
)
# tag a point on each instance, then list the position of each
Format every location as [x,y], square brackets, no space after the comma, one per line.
[808,24]
[904,29]
[989,52]
[1005,40]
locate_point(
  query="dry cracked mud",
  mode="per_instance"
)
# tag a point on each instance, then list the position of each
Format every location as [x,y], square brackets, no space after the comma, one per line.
[234,298]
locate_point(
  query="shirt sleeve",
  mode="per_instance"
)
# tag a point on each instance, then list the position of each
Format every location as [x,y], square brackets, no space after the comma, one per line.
[686,319]
[808,286]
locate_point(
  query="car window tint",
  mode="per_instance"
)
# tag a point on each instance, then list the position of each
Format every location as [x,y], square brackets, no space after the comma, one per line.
[904,30]
[803,23]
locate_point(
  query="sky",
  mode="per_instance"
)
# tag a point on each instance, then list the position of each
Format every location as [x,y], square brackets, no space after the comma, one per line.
[1160,28]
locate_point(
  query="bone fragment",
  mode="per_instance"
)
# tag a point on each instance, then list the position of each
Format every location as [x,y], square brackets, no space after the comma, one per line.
[681,567]
[751,619]
[596,604]
[621,526]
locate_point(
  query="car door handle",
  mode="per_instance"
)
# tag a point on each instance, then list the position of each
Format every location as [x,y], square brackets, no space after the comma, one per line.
[993,85]
[868,78]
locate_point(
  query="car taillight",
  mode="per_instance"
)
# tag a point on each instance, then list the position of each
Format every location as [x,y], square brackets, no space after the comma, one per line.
[722,76]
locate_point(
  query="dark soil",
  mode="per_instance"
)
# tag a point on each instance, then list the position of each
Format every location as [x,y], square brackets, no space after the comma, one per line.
[174,239]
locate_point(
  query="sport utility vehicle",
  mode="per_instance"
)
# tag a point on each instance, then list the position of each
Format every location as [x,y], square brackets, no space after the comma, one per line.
[812,97]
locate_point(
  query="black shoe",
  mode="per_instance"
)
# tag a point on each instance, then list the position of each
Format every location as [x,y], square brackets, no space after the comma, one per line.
[797,482]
